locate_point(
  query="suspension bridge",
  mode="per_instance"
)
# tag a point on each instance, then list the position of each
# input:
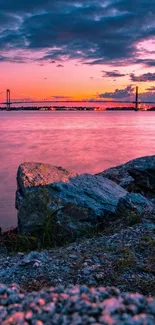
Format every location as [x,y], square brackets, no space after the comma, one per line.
[136,102]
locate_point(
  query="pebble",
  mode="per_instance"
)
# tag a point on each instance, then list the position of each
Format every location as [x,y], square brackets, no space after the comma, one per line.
[76,305]
[90,261]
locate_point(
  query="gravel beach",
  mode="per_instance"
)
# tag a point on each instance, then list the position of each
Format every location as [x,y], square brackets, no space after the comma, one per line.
[125,259]
[75,305]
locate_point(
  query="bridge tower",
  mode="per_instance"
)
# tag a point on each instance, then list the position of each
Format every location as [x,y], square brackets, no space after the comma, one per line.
[8,102]
[136,100]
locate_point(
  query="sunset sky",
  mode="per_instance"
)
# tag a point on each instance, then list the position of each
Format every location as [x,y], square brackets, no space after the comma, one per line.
[77,49]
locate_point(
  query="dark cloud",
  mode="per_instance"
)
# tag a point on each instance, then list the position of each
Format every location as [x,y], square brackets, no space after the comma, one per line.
[60,66]
[119,93]
[60,97]
[128,94]
[143,78]
[113,74]
[151,88]
[146,62]
[8,21]
[147,96]
[15,59]
[95,32]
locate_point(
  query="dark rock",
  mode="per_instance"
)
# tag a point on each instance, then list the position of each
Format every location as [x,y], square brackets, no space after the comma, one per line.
[68,204]
[137,175]
[134,205]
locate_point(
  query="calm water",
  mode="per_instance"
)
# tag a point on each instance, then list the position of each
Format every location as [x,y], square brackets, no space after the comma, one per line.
[83,141]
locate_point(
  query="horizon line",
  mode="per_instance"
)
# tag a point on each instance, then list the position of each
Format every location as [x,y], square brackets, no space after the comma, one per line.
[79,101]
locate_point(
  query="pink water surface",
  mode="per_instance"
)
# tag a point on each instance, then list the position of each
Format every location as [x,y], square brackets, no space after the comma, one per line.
[83,141]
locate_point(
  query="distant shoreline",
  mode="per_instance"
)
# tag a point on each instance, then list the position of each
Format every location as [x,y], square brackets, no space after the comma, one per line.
[73,108]
[67,109]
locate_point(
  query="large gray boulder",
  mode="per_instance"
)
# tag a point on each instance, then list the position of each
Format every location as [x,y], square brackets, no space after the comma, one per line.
[70,204]
[137,175]
[133,206]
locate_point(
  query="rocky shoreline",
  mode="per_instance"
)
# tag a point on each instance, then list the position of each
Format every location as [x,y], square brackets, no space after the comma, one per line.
[125,259]
[120,252]
[71,205]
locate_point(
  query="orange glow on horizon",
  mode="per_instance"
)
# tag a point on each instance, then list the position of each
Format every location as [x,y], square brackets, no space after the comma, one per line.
[73,81]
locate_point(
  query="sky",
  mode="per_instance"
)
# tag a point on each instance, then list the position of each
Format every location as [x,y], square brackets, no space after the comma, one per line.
[77,49]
